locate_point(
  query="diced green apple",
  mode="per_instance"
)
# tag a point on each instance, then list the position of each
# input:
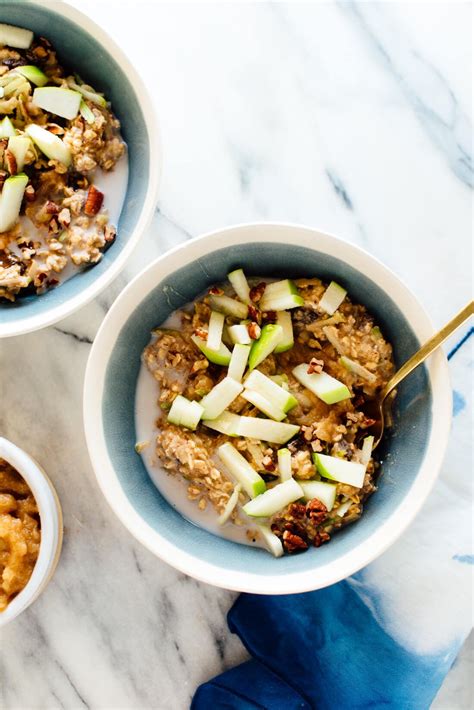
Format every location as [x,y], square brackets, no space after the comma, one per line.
[272,542]
[225,423]
[19,146]
[7,129]
[239,334]
[220,397]
[214,333]
[242,471]
[367,450]
[33,74]
[325,492]
[284,464]
[17,37]
[266,430]
[274,499]
[185,413]
[61,102]
[49,144]
[97,99]
[264,405]
[238,361]
[281,380]
[228,306]
[10,200]
[218,357]
[86,112]
[332,298]
[287,339]
[266,344]
[280,296]
[338,469]
[322,385]
[357,369]
[230,505]
[240,285]
[281,398]
[281,303]
[342,509]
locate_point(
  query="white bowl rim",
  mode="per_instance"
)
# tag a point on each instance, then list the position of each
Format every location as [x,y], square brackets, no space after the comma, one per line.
[386,534]
[51,527]
[62,310]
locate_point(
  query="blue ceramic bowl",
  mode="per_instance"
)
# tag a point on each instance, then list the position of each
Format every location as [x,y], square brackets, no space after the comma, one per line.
[85,48]
[412,453]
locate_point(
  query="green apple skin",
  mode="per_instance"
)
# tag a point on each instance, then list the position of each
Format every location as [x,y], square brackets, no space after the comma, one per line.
[265,345]
[218,357]
[337,469]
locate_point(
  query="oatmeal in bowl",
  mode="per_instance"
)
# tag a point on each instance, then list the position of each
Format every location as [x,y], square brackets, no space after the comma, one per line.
[59,142]
[258,410]
[170,511]
[86,143]
[30,530]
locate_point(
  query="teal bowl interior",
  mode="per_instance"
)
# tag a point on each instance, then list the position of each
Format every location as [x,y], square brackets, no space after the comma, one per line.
[79,51]
[402,451]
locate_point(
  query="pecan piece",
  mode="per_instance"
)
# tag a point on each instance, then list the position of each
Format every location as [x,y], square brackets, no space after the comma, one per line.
[315,366]
[51,207]
[268,463]
[254,330]
[201,333]
[316,511]
[216,291]
[293,543]
[255,314]
[30,193]
[321,537]
[257,292]
[297,510]
[94,201]
[269,316]
[3,177]
[10,161]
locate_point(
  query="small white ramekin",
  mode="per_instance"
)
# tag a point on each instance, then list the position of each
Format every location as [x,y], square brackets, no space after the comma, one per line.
[51,527]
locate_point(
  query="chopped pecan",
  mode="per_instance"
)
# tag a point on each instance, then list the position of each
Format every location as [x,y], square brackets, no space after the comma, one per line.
[30,193]
[94,201]
[257,292]
[297,510]
[268,463]
[51,207]
[269,316]
[254,330]
[315,366]
[316,511]
[320,537]
[255,314]
[201,333]
[216,291]
[293,543]
[10,161]
[3,177]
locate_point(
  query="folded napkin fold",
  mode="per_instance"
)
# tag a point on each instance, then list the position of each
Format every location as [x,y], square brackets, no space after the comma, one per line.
[384,638]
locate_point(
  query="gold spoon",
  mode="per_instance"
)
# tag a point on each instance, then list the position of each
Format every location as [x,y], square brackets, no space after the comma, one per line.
[377,406]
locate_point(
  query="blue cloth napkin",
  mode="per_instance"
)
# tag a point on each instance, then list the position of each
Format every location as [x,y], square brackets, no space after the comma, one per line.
[384,638]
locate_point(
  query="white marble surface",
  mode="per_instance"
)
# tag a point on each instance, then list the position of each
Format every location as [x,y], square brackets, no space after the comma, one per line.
[353,117]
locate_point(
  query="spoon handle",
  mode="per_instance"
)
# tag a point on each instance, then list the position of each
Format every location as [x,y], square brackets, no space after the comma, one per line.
[426,350]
